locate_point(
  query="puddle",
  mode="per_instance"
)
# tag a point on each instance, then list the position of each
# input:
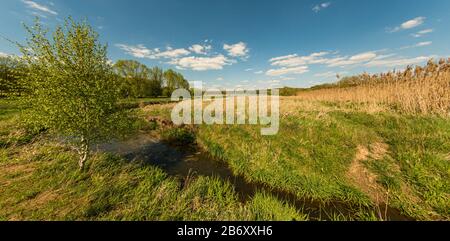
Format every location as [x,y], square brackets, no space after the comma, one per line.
[185,162]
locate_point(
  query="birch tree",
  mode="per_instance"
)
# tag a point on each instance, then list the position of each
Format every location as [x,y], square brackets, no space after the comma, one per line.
[72,89]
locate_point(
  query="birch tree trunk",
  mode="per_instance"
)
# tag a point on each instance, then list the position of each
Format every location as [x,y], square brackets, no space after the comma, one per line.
[84,152]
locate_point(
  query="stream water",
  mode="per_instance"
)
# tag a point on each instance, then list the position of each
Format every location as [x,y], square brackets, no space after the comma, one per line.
[187,161]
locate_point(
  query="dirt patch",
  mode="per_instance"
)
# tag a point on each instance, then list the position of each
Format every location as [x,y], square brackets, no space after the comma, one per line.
[365,180]
[44,198]
[20,172]
[41,199]
[17,168]
[409,193]
[378,150]
[35,203]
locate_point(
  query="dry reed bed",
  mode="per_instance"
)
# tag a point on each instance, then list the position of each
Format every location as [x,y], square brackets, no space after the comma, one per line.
[415,90]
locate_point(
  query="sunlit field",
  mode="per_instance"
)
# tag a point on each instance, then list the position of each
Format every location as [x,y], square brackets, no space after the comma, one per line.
[354,153]
[40,180]
[416,90]
[297,111]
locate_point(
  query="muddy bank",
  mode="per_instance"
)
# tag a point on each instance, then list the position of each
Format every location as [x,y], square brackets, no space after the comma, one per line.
[187,161]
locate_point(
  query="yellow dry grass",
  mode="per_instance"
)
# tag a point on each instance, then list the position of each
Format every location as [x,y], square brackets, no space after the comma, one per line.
[418,90]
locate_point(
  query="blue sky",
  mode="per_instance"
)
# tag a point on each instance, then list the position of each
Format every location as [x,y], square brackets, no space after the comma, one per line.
[248,43]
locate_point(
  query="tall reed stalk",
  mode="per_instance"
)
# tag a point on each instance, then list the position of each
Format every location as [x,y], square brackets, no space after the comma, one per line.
[415,90]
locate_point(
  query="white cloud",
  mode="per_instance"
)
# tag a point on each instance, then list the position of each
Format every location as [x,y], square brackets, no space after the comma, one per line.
[384,56]
[170,53]
[237,50]
[202,63]
[413,23]
[295,60]
[182,58]
[259,72]
[286,71]
[321,6]
[353,60]
[363,57]
[283,57]
[219,79]
[326,58]
[336,60]
[394,62]
[421,44]
[200,49]
[248,70]
[409,24]
[422,33]
[39,7]
[138,51]
[3,54]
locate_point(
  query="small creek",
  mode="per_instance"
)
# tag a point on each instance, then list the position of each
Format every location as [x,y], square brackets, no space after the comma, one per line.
[187,161]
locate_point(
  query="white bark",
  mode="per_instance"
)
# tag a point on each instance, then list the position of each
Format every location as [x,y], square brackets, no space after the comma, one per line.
[84,152]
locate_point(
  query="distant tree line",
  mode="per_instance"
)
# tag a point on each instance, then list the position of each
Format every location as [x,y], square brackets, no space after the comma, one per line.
[288,91]
[138,81]
[12,71]
[348,81]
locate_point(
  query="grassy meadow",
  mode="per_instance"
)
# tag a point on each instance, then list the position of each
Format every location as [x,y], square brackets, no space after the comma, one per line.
[368,157]
[342,151]
[40,180]
[328,152]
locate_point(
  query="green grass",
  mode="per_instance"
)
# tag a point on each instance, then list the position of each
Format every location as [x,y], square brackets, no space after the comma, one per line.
[266,207]
[40,180]
[310,157]
[131,103]
[47,185]
[307,157]
[420,149]
[180,136]
[11,133]
[152,99]
[316,146]
[146,100]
